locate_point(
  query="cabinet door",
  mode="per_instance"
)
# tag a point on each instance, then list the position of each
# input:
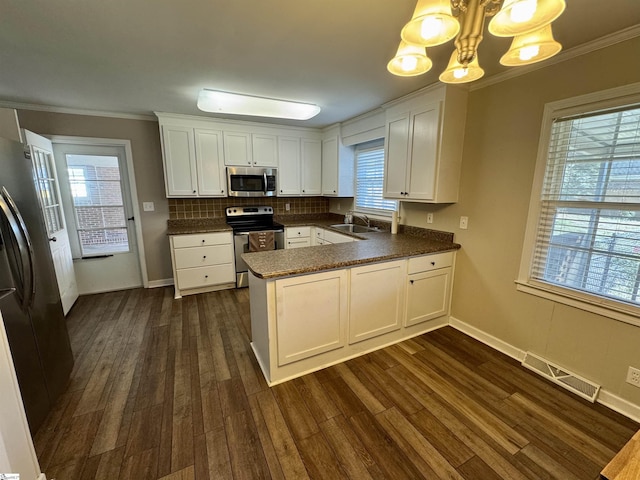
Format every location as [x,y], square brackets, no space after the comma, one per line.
[238,149]
[180,161]
[289,168]
[330,166]
[396,156]
[212,181]
[311,167]
[428,295]
[424,153]
[377,299]
[311,315]
[265,150]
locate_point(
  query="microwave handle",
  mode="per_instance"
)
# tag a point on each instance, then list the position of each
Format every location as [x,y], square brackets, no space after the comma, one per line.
[266,185]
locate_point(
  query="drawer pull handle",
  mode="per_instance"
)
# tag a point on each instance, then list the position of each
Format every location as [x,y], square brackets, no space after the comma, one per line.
[203,241]
[433,263]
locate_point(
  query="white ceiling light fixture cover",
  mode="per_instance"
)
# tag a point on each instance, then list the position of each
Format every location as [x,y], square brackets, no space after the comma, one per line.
[216,101]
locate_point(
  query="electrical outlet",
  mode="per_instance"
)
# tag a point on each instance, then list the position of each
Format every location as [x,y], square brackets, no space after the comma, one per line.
[633,376]
[148,206]
[429,217]
[287,206]
[464,222]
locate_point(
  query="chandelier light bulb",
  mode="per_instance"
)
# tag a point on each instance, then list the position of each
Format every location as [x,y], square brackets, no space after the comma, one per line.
[432,27]
[523,11]
[460,72]
[408,63]
[527,53]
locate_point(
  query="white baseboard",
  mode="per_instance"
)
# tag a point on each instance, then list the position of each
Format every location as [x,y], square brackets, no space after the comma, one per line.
[605,397]
[619,405]
[487,339]
[166,282]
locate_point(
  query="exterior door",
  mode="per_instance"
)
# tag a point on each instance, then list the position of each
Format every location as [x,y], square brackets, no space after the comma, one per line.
[48,189]
[95,191]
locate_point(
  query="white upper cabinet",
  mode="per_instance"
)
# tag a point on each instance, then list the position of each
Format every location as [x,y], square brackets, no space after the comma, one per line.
[311,166]
[212,180]
[178,148]
[265,150]
[289,167]
[423,148]
[300,166]
[337,165]
[238,149]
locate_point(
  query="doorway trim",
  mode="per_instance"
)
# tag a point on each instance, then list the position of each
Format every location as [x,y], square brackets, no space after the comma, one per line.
[126,144]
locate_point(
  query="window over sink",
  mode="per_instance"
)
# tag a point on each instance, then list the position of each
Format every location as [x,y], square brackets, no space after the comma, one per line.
[370,180]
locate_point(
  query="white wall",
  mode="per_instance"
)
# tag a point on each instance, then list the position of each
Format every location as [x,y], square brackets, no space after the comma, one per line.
[17,454]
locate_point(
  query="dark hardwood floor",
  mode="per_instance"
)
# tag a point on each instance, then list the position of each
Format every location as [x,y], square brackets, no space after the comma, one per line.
[170,389]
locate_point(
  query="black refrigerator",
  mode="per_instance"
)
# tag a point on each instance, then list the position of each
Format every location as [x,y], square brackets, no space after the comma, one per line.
[29,296]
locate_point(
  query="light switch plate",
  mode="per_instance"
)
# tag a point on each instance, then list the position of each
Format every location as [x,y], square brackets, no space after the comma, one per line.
[464,222]
[148,206]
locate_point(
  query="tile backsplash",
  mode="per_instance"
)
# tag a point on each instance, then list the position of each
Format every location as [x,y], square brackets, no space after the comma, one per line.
[214,207]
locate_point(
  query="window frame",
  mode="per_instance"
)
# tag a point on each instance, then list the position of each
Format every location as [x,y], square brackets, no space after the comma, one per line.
[627,95]
[376,212]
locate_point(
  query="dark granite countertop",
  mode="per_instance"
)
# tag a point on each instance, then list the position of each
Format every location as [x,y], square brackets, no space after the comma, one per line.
[197,225]
[376,248]
[373,247]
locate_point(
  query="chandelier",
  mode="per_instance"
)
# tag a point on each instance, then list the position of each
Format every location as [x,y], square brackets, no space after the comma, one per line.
[435,22]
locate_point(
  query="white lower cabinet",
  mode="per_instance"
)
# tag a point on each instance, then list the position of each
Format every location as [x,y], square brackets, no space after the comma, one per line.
[312,315]
[297,237]
[428,287]
[303,323]
[376,299]
[202,262]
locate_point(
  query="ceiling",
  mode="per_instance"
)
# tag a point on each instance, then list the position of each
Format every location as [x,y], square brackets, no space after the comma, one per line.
[140,56]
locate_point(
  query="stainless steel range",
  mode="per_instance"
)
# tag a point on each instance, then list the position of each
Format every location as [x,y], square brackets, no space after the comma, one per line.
[247,220]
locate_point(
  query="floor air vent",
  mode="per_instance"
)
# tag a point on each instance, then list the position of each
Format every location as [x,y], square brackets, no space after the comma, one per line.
[568,380]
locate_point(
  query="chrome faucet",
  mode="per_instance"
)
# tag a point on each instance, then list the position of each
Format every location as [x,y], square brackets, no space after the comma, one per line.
[351,214]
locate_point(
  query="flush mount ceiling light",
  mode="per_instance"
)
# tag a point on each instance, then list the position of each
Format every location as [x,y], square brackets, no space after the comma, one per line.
[435,22]
[216,101]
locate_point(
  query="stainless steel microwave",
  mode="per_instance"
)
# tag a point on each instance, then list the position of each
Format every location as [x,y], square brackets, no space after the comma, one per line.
[252,182]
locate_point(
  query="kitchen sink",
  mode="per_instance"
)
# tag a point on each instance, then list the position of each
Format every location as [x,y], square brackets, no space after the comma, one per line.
[350,227]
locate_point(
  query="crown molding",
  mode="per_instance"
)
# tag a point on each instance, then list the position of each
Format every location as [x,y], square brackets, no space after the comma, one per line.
[76,111]
[602,42]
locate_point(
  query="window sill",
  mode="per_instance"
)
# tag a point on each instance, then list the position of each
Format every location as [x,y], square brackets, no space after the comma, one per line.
[604,307]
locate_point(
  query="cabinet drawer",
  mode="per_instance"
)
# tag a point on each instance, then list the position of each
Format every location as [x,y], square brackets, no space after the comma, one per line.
[298,242]
[298,232]
[205,276]
[203,256]
[201,239]
[430,262]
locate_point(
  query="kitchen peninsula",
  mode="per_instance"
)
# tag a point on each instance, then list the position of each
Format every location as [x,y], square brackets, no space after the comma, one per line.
[318,306]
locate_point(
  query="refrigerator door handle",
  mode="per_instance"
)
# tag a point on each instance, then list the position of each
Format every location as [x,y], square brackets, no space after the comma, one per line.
[5,292]
[17,225]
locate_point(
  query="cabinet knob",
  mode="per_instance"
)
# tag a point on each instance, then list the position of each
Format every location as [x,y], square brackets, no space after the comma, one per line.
[433,263]
[411,282]
[194,191]
[203,240]
[221,191]
[206,276]
[334,191]
[204,256]
[303,191]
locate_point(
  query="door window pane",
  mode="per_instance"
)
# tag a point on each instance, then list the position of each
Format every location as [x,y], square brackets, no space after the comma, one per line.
[96,189]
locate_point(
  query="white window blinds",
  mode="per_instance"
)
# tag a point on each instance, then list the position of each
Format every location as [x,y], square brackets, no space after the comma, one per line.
[370,180]
[588,236]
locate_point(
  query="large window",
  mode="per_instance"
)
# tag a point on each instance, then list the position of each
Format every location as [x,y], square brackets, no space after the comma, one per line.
[98,204]
[587,237]
[370,180]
